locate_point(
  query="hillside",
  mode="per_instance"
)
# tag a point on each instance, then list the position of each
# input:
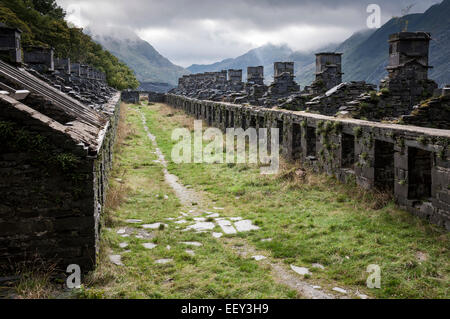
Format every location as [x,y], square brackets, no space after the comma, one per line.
[365,53]
[367,59]
[148,64]
[43,24]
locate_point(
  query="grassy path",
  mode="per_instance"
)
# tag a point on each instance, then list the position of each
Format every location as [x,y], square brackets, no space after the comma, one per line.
[304,220]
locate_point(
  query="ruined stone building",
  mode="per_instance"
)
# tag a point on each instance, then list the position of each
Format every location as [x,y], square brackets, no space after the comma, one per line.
[328,72]
[395,140]
[57,129]
[405,96]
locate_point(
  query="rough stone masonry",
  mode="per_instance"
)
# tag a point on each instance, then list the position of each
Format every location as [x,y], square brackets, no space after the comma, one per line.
[351,130]
[57,128]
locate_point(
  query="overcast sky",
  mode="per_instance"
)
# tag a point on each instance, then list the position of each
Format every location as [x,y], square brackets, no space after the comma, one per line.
[194,31]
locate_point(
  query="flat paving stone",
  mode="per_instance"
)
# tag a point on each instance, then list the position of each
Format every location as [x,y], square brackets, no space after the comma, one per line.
[259,257]
[190,252]
[217,235]
[123,245]
[200,219]
[214,215]
[133,221]
[245,225]
[163,261]
[116,260]
[153,226]
[192,243]
[340,290]
[218,208]
[121,231]
[226,226]
[300,270]
[202,226]
[182,221]
[236,218]
[149,245]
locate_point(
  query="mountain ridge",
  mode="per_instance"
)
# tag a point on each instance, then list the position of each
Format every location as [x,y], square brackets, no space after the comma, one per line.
[147,63]
[365,53]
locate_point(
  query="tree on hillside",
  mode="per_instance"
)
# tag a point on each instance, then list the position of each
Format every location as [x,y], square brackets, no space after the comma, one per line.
[50,8]
[43,24]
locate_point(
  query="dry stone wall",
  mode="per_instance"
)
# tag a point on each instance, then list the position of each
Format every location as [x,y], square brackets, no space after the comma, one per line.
[410,162]
[53,191]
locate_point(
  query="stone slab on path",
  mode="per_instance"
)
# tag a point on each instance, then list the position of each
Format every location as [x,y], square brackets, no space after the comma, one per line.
[116,260]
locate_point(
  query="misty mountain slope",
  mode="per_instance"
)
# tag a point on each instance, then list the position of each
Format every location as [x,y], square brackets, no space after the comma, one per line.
[264,56]
[368,59]
[148,64]
[365,53]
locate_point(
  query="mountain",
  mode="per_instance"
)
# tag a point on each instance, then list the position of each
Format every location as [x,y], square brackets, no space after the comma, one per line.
[365,53]
[264,56]
[43,24]
[148,64]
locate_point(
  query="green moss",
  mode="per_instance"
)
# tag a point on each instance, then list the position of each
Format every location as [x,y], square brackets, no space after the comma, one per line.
[358,132]
[422,140]
[401,142]
[364,156]
[14,138]
[338,127]
[66,161]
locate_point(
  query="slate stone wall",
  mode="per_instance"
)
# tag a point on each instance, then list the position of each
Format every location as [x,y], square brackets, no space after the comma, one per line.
[394,158]
[130,97]
[52,192]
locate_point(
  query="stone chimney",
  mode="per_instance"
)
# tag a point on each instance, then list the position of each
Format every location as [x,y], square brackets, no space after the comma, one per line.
[63,65]
[283,67]
[222,77]
[407,78]
[255,75]
[328,69]
[10,44]
[235,76]
[75,69]
[84,71]
[39,58]
[408,55]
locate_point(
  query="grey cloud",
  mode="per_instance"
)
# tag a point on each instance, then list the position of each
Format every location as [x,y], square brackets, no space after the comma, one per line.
[214,29]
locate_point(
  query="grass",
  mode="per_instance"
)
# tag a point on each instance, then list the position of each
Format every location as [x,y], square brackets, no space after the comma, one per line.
[37,281]
[311,218]
[314,219]
[214,271]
